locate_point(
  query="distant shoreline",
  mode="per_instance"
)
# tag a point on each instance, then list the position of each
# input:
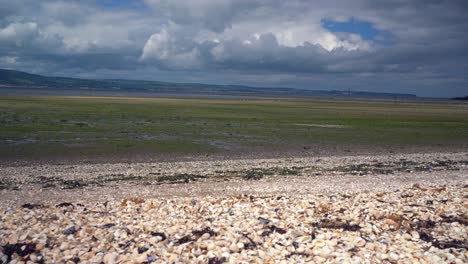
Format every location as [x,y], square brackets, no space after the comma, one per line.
[23,91]
[23,80]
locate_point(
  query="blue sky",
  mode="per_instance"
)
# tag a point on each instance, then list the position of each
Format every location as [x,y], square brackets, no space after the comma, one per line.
[120,3]
[363,28]
[414,47]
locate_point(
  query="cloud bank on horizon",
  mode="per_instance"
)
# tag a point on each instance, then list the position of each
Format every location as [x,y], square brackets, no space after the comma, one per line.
[415,46]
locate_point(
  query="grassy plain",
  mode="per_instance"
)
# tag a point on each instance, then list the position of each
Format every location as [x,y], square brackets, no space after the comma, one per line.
[124,128]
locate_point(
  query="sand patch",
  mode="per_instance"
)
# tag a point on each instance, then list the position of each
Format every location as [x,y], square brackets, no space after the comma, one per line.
[323,125]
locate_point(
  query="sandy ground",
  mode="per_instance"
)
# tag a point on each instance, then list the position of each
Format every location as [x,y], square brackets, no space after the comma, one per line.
[51,184]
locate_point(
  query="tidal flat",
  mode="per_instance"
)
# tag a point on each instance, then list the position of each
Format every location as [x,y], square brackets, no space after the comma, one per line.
[115,129]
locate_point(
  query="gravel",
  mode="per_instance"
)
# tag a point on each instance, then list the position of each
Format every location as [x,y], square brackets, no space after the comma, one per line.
[379,209]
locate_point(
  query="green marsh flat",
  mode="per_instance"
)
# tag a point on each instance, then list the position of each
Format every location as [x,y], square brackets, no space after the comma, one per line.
[113,129]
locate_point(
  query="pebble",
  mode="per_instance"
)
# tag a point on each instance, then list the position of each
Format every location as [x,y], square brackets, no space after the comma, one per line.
[110,258]
[142,258]
[360,242]
[234,248]
[393,256]
[324,252]
[319,259]
[240,245]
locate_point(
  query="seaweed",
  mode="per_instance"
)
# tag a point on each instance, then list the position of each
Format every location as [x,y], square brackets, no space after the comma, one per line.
[443,244]
[207,230]
[179,178]
[452,219]
[196,234]
[142,250]
[217,260]
[22,249]
[272,229]
[32,206]
[70,231]
[336,224]
[256,174]
[159,234]
[184,240]
[64,204]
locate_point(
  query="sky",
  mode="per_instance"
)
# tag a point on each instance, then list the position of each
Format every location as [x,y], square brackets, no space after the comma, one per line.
[403,46]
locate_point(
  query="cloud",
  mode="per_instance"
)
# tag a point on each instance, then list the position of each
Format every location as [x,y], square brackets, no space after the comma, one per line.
[27,37]
[286,49]
[212,15]
[8,60]
[267,42]
[169,53]
[18,34]
[297,40]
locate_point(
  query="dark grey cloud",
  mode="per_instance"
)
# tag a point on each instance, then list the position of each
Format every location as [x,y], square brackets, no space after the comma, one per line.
[259,42]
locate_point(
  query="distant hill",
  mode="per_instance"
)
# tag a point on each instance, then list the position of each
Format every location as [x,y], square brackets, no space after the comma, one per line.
[461,98]
[18,79]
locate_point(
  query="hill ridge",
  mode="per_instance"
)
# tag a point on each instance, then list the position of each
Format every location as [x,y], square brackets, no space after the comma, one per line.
[20,79]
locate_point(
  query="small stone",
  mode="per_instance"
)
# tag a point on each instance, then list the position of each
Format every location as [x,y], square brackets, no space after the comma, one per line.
[331,243]
[87,256]
[390,222]
[173,258]
[203,245]
[393,256]
[13,239]
[64,246]
[360,242]
[373,212]
[325,252]
[234,248]
[415,235]
[211,246]
[40,246]
[261,254]
[240,245]
[319,259]
[110,258]
[142,258]
[319,243]
[205,236]
[407,236]
[436,259]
